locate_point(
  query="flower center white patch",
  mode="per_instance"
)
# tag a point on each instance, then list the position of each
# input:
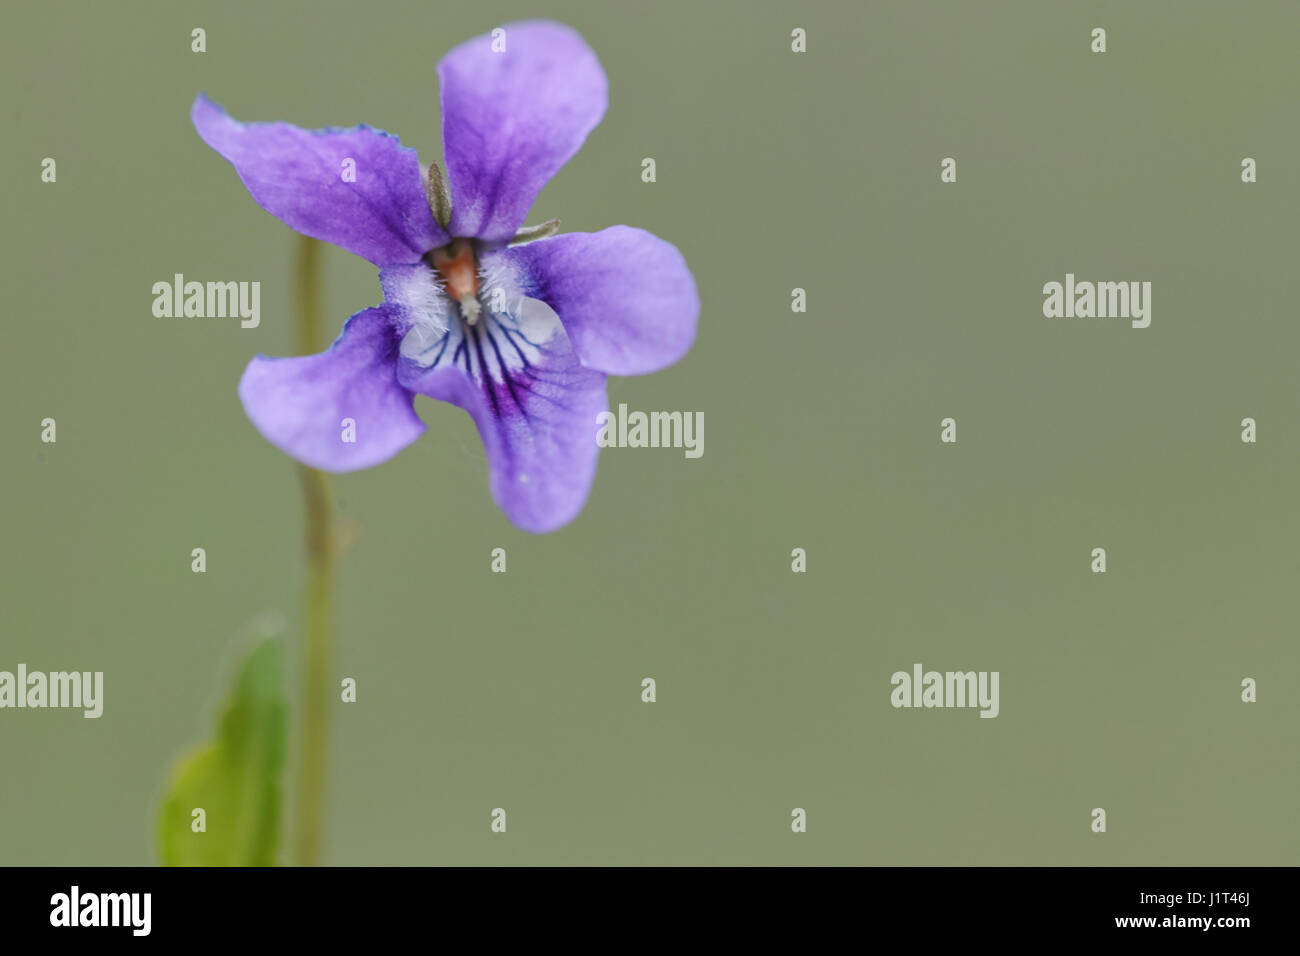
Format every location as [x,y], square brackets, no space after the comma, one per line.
[510,338]
[510,333]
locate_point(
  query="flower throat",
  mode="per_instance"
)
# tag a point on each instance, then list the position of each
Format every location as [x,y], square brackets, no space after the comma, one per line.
[457,267]
[456,263]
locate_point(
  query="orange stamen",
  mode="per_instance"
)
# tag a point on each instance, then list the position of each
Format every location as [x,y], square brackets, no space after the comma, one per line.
[459,270]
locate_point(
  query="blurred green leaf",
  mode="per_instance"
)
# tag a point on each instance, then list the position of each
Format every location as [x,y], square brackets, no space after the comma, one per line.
[235,778]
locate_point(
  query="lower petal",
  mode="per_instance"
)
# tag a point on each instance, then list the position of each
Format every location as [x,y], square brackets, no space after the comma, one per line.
[534,404]
[341,410]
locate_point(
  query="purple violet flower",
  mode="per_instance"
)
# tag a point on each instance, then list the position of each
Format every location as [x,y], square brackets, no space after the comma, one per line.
[521,336]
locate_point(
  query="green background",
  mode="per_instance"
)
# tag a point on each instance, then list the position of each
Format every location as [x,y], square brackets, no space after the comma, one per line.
[775,170]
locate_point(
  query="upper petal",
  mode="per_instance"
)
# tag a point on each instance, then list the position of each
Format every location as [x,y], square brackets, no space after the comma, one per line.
[341,410]
[302,177]
[626,298]
[534,403]
[511,119]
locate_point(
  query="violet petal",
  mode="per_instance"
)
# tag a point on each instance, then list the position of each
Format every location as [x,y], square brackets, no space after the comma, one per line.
[309,406]
[510,120]
[626,298]
[298,176]
[534,403]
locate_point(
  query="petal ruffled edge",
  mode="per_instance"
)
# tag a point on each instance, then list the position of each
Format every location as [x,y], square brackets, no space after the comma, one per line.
[358,188]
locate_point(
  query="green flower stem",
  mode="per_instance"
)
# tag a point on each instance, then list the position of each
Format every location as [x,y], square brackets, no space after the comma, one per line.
[317,621]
